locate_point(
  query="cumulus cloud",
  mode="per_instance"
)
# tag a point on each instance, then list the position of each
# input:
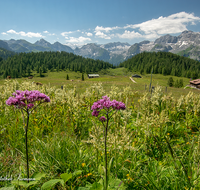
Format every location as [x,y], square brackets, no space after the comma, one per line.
[46,32]
[129,35]
[70,32]
[89,34]
[4,33]
[151,29]
[28,34]
[105,29]
[80,39]
[102,35]
[66,33]
[172,24]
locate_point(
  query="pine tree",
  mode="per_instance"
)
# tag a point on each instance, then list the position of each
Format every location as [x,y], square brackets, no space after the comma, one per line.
[40,71]
[67,77]
[170,82]
[177,84]
[180,83]
[141,71]
[82,76]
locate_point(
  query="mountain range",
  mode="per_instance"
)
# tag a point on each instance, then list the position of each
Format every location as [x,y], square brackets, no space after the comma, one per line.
[186,44]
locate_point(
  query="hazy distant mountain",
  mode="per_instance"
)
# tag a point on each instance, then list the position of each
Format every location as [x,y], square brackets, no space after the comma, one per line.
[24,46]
[93,51]
[18,48]
[166,39]
[4,45]
[60,47]
[54,47]
[116,47]
[4,53]
[43,43]
[186,44]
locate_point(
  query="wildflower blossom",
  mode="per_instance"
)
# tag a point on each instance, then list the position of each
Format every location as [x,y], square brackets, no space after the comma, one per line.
[25,99]
[102,118]
[106,104]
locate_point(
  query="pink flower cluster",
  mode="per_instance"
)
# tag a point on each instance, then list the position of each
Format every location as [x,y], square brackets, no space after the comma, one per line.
[106,104]
[25,99]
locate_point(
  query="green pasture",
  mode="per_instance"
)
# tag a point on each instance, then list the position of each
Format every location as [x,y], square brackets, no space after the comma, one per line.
[119,77]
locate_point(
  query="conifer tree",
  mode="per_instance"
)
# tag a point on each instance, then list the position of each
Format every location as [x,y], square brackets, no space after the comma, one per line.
[180,83]
[170,82]
[177,84]
[40,71]
[82,76]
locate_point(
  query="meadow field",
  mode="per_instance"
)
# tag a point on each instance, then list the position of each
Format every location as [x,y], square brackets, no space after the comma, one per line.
[153,144]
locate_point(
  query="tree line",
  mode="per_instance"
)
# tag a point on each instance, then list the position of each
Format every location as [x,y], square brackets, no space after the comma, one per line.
[23,64]
[165,63]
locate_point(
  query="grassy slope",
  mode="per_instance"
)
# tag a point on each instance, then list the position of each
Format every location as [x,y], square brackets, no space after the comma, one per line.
[118,77]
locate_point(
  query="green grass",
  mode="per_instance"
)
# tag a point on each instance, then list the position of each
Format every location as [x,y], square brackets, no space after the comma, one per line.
[153,144]
[118,77]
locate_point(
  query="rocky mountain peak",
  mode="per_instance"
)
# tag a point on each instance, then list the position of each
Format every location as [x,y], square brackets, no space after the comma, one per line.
[166,39]
[43,43]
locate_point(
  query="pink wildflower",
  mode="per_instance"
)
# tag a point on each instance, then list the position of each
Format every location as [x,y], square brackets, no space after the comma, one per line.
[25,99]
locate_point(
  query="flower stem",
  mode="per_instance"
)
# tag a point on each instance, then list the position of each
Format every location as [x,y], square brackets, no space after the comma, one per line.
[105,144]
[26,141]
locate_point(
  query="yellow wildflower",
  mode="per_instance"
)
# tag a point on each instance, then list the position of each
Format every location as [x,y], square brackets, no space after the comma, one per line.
[89,174]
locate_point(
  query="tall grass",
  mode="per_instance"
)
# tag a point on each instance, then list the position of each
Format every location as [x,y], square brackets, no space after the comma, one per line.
[153,144]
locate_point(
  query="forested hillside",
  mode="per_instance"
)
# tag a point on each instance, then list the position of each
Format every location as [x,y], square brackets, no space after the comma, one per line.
[4,53]
[23,64]
[165,63]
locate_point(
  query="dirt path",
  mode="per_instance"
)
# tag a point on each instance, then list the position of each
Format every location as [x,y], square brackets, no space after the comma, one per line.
[132,80]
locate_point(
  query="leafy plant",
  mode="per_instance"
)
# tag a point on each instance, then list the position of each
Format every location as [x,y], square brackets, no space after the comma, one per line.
[63,179]
[24,100]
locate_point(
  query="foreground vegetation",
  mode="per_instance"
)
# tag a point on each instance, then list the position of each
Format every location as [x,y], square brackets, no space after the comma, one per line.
[153,144]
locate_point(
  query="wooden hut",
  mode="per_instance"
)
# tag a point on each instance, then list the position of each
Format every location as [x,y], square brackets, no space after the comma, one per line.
[93,75]
[195,83]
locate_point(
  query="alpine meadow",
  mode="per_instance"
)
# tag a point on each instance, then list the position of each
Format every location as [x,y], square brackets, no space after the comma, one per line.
[62,129]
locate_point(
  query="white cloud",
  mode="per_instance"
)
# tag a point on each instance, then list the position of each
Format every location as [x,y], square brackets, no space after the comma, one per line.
[49,34]
[80,39]
[12,32]
[172,24]
[129,35]
[4,33]
[89,34]
[102,35]
[151,29]
[28,34]
[66,33]
[70,32]
[106,29]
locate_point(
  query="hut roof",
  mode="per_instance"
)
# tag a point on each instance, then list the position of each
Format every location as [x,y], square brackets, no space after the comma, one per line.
[93,75]
[137,76]
[195,82]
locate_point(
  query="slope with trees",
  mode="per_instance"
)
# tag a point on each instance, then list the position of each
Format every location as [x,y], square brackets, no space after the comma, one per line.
[22,64]
[165,63]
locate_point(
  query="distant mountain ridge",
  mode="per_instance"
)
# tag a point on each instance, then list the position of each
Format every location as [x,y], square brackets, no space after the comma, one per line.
[186,44]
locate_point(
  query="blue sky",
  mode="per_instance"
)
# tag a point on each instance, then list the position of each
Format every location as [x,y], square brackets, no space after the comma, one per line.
[96,21]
